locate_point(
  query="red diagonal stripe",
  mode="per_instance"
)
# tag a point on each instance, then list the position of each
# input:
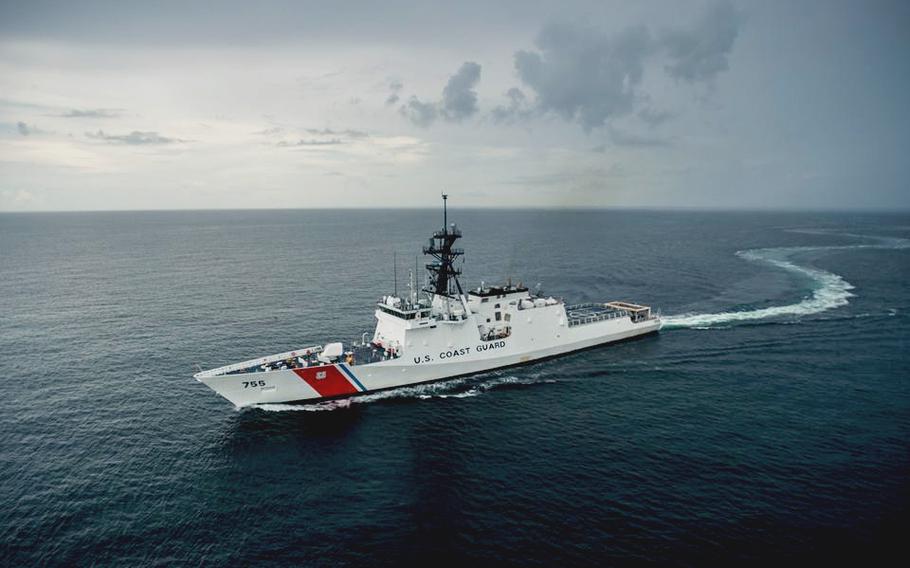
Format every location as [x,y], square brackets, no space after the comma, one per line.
[334,383]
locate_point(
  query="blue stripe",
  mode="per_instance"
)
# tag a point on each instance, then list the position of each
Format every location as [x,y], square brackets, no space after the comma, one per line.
[351,376]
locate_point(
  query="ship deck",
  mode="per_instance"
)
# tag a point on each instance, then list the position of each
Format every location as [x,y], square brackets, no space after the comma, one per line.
[299,359]
[580,314]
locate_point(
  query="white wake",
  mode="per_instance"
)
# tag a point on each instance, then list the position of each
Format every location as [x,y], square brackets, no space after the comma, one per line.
[829,291]
[442,389]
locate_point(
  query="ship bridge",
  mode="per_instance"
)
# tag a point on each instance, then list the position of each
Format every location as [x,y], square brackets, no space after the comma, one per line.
[403,309]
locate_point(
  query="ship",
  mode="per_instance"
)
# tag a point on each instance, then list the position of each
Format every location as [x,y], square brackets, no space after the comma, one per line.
[435,333]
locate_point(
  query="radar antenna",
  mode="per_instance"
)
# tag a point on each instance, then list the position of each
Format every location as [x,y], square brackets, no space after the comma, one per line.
[442,271]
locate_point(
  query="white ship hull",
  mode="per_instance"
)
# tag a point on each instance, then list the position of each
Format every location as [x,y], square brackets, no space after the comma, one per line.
[449,333]
[461,354]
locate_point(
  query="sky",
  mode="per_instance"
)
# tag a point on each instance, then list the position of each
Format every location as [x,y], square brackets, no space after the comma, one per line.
[123,105]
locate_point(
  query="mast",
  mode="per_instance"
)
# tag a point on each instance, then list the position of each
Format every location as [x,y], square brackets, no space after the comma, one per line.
[416,276]
[442,271]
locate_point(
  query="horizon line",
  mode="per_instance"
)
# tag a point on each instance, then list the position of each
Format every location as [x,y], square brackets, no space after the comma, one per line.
[664,208]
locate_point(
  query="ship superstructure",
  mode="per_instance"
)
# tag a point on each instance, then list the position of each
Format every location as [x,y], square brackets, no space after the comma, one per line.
[446,332]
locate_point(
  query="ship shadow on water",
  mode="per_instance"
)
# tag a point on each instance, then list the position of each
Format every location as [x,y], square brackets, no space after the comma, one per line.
[255,424]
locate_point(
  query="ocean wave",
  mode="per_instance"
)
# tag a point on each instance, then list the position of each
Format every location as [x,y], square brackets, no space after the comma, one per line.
[316,407]
[829,291]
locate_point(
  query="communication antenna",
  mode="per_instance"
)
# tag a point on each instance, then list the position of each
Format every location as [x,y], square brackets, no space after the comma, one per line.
[441,248]
[395,270]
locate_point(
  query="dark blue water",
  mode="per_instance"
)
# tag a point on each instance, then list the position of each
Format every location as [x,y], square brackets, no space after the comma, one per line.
[769,422]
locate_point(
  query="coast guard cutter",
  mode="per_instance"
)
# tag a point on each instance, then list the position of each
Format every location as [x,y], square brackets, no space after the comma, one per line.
[443,334]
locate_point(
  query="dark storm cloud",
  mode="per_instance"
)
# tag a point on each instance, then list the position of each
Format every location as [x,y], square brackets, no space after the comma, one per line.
[91,113]
[699,52]
[134,138]
[582,74]
[589,77]
[459,99]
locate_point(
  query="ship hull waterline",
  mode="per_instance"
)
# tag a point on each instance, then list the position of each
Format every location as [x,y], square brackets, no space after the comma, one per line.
[339,381]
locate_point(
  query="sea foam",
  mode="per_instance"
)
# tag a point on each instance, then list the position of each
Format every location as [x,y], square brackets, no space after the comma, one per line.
[441,389]
[829,291]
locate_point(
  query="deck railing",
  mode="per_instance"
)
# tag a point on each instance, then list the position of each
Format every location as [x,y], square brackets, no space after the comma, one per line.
[608,313]
[597,317]
[258,362]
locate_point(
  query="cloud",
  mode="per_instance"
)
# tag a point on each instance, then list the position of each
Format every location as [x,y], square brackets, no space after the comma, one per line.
[459,99]
[324,136]
[395,86]
[330,142]
[336,135]
[518,107]
[134,138]
[29,130]
[586,76]
[699,53]
[420,113]
[91,113]
[328,132]
[582,74]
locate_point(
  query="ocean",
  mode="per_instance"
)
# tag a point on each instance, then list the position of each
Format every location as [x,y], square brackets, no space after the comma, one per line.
[769,421]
